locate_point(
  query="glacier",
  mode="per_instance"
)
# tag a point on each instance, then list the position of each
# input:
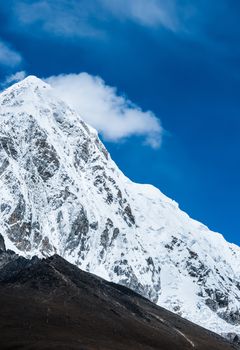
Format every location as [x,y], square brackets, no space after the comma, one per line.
[60,192]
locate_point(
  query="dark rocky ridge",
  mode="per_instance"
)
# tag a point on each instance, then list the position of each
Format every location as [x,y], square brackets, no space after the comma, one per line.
[51,304]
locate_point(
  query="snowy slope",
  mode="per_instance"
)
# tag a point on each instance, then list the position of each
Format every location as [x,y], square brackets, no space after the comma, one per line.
[60,192]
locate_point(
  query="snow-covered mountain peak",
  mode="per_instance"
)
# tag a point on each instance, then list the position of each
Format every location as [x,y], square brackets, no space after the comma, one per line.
[30,85]
[30,82]
[60,192]
[25,95]
[37,97]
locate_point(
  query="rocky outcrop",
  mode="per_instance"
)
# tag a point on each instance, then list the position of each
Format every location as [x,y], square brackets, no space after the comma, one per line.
[233,338]
[2,244]
[6,256]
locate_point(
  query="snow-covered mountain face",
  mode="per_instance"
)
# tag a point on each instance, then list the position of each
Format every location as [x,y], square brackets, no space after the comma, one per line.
[60,192]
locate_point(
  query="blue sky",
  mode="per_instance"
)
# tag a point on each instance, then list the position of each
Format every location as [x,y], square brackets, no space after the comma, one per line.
[175,66]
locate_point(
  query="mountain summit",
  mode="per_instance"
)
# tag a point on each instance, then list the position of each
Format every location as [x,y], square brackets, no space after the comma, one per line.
[60,192]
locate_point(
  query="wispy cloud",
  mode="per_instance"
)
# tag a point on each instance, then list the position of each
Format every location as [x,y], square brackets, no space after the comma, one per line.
[113,115]
[84,18]
[69,18]
[152,13]
[13,78]
[8,56]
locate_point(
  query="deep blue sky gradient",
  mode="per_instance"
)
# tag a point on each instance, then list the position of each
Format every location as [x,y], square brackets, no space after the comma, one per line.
[190,81]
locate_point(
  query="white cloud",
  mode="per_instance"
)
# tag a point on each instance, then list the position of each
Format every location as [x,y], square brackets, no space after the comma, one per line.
[15,77]
[113,115]
[8,56]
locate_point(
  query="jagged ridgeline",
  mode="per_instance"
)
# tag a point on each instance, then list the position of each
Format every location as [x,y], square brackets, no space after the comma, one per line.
[60,192]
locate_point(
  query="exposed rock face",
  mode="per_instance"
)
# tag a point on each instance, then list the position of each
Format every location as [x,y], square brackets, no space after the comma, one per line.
[2,244]
[6,256]
[233,338]
[60,192]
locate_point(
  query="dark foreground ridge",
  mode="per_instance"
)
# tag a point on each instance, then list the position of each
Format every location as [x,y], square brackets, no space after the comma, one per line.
[51,304]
